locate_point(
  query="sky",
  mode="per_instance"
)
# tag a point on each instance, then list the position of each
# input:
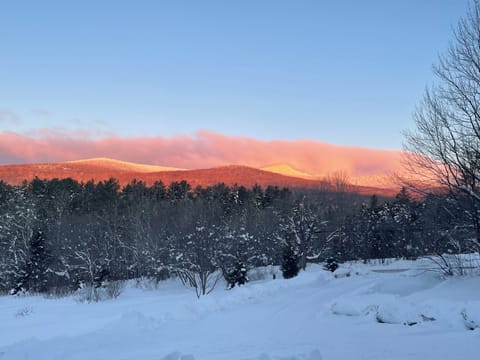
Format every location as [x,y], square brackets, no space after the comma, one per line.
[340,72]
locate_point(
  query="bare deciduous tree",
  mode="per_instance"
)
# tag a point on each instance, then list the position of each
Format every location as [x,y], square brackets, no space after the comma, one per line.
[444,149]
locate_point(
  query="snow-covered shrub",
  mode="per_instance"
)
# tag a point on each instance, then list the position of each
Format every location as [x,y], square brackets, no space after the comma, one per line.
[25,311]
[146,283]
[19,292]
[387,311]
[236,276]
[469,321]
[263,272]
[399,312]
[162,273]
[58,292]
[331,264]
[456,264]
[348,308]
[87,294]
[342,273]
[202,282]
[110,290]
[114,288]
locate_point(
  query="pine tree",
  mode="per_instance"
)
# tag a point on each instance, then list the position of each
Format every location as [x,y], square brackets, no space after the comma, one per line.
[289,265]
[37,266]
[33,277]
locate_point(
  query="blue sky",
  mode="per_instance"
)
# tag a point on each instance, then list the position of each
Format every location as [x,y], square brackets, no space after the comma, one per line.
[344,72]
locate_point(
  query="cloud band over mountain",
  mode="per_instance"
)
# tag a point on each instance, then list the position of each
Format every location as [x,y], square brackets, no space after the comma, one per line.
[202,150]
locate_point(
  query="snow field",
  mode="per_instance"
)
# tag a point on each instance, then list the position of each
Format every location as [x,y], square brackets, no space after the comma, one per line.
[366,315]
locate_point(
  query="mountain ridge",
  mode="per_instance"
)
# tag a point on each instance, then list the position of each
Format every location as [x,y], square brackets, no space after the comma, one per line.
[99,169]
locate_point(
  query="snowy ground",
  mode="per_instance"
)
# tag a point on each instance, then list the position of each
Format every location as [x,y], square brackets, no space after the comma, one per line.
[367,315]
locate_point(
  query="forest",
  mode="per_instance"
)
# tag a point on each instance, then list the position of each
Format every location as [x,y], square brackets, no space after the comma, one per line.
[59,235]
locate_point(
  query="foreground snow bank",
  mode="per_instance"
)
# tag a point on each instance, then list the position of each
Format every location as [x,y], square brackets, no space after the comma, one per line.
[314,316]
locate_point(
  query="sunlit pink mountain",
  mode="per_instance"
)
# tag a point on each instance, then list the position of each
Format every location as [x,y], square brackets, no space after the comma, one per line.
[99,169]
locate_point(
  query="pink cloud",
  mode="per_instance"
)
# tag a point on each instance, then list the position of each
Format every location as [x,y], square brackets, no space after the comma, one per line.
[202,150]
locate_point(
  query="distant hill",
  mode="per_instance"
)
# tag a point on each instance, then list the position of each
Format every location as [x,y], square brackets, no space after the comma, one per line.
[102,169]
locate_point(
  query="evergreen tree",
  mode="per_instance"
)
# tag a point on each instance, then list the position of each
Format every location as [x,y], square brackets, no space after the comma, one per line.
[34,277]
[289,265]
[37,267]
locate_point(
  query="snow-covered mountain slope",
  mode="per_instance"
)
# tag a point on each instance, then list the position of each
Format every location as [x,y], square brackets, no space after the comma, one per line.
[366,315]
[119,165]
[287,170]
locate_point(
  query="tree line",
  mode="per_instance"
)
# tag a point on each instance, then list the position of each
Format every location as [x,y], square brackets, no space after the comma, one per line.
[59,235]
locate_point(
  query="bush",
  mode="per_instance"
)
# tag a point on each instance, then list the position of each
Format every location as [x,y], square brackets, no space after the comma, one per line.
[203,282]
[110,290]
[236,276]
[146,283]
[331,264]
[455,264]
[263,272]
[114,288]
